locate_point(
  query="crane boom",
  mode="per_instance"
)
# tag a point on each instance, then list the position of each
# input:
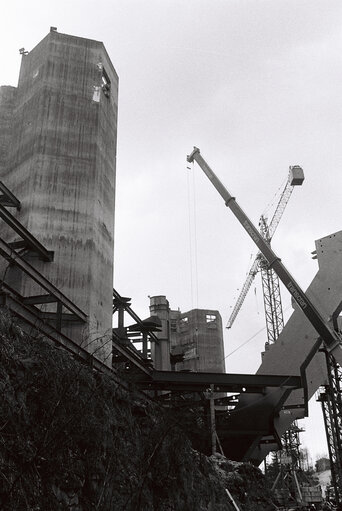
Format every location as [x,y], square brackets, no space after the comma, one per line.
[267,232]
[248,282]
[330,338]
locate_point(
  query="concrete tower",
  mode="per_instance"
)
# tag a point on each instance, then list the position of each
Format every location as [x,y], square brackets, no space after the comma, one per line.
[58,156]
[194,339]
[198,336]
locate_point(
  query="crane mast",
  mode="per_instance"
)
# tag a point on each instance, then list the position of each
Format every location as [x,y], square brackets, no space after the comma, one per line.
[271,291]
[270,281]
[330,337]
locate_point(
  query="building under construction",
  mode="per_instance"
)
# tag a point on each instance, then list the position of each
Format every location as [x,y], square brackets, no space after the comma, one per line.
[57,170]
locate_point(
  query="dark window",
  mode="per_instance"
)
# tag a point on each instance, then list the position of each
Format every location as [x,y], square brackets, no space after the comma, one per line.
[211,320]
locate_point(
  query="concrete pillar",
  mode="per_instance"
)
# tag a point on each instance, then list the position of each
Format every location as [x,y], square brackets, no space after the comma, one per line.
[159,306]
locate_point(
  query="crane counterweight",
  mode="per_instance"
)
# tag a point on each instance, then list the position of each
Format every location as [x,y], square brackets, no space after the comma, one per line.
[296,176]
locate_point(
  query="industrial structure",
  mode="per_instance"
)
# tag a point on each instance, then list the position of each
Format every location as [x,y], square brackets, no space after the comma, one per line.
[193,340]
[57,189]
[289,486]
[58,154]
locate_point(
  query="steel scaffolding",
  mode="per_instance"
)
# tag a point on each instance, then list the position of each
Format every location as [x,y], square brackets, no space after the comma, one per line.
[331,401]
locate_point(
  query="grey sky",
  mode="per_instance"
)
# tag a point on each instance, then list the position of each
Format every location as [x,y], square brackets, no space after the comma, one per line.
[255,84]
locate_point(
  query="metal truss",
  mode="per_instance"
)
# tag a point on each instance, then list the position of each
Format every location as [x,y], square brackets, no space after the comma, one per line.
[53,294]
[14,253]
[32,319]
[141,332]
[290,443]
[271,292]
[331,401]
[272,304]
[287,485]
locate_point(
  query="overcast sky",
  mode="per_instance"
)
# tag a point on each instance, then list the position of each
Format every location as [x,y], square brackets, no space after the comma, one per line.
[256,85]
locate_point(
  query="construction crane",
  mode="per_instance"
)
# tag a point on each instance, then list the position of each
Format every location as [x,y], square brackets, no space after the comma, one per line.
[270,281]
[331,338]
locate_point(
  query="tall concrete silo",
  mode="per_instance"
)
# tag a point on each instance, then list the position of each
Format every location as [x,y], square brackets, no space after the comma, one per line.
[58,156]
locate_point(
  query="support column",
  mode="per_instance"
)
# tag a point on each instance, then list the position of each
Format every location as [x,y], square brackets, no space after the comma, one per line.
[159,306]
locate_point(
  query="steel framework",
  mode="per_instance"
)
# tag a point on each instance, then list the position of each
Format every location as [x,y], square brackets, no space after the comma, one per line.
[271,290]
[290,445]
[331,401]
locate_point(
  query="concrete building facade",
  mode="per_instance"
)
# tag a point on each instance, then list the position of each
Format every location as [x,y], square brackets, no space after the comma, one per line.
[58,156]
[190,341]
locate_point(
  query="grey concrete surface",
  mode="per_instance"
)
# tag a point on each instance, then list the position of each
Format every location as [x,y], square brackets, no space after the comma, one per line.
[60,161]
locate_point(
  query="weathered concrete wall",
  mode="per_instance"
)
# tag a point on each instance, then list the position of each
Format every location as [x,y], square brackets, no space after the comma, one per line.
[7,102]
[298,335]
[200,333]
[62,168]
[197,334]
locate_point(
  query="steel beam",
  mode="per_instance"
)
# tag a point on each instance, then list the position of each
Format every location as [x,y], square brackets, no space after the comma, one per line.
[242,383]
[31,322]
[53,316]
[130,356]
[35,323]
[32,301]
[18,245]
[39,299]
[14,258]
[31,242]
[238,433]
[8,198]
[125,304]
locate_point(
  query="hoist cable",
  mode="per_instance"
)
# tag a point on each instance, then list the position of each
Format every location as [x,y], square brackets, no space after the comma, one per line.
[190,238]
[195,233]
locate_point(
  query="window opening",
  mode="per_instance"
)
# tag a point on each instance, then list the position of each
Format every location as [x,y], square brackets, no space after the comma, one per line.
[105,83]
[184,323]
[210,318]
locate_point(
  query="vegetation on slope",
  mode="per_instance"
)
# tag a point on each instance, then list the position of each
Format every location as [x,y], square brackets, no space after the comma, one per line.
[73,439]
